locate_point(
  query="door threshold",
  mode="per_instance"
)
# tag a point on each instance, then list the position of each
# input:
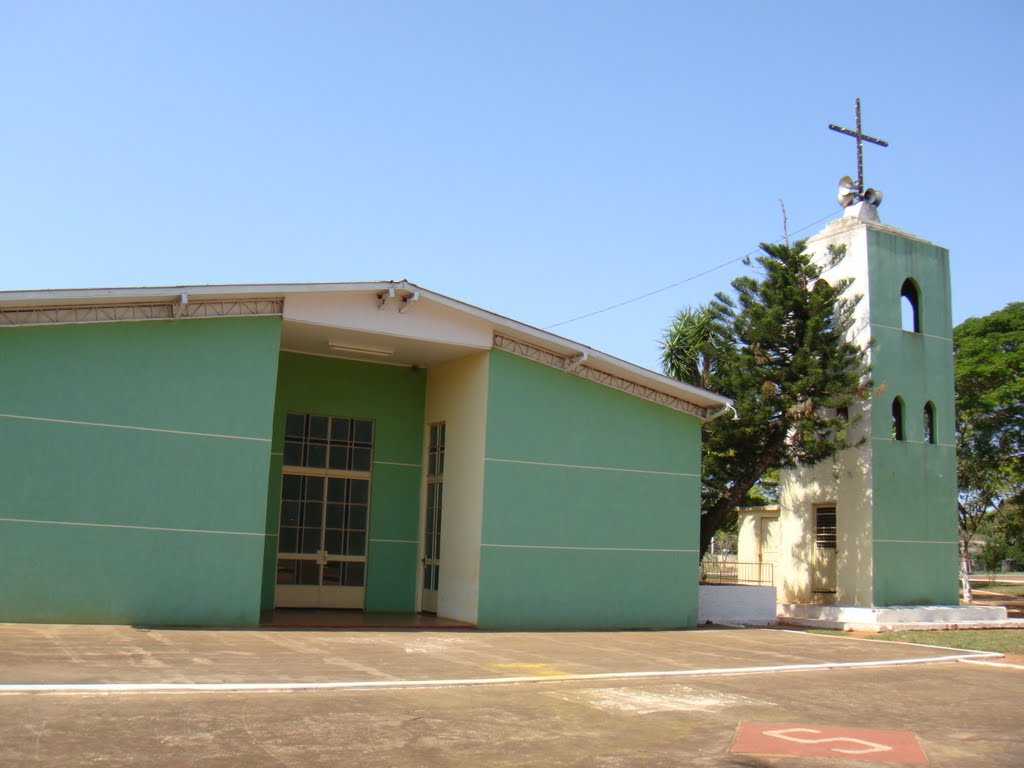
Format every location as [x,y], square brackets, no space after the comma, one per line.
[348,619]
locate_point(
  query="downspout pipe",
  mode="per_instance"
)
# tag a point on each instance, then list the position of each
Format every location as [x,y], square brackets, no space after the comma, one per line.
[724,410]
[573,363]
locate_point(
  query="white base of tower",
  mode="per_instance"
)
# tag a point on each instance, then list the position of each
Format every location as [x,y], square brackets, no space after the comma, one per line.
[863,211]
[900,617]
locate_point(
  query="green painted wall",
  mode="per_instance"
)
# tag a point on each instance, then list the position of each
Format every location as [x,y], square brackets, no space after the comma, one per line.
[591,505]
[393,397]
[913,483]
[133,464]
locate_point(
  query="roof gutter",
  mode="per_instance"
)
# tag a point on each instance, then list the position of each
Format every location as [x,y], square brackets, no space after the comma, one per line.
[182,299]
[725,409]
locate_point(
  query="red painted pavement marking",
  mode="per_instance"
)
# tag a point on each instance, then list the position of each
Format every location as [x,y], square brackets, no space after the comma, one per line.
[866,744]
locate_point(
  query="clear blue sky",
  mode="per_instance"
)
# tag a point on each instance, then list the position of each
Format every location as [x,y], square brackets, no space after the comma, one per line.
[539,159]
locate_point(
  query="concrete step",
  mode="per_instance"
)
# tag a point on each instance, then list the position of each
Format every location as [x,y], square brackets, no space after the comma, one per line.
[893,618]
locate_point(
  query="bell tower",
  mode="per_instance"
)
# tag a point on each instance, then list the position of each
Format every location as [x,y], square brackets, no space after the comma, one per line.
[877,526]
[868,539]
[890,500]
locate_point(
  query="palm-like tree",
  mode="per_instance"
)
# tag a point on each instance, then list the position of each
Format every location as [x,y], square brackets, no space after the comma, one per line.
[687,347]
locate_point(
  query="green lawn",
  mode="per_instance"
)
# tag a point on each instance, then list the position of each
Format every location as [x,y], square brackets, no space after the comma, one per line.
[999,640]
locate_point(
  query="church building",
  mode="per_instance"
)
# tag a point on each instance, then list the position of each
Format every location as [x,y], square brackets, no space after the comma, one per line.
[205,455]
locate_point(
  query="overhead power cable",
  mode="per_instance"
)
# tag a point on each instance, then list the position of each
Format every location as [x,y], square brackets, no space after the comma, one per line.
[680,282]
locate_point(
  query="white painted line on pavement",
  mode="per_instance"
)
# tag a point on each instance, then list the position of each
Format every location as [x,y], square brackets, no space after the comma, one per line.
[968,652]
[993,663]
[356,685]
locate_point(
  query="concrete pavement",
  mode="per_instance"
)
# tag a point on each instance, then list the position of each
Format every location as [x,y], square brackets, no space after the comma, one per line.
[48,655]
[696,688]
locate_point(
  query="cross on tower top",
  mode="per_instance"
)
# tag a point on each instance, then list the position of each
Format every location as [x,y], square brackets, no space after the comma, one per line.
[861,137]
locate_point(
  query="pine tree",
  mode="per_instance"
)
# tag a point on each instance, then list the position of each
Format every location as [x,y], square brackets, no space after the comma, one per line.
[780,348]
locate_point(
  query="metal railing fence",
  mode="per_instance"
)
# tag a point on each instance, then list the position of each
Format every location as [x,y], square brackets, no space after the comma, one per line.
[721,571]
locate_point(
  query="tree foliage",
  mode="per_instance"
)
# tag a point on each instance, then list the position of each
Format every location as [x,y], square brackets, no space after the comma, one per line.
[989,370]
[1003,533]
[688,347]
[779,348]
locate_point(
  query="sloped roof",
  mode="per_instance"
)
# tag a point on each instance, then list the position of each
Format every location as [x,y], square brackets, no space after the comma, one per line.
[311,313]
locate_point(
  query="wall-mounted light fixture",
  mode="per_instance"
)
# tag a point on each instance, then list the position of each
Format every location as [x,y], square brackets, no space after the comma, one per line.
[355,349]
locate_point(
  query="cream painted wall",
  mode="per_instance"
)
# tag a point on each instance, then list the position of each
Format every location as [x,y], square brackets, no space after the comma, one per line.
[746,539]
[748,544]
[457,395]
[847,481]
[847,484]
[853,234]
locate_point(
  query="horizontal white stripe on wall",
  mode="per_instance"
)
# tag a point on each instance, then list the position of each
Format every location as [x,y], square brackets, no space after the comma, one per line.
[137,429]
[393,541]
[585,549]
[909,541]
[598,469]
[912,442]
[134,527]
[916,333]
[399,464]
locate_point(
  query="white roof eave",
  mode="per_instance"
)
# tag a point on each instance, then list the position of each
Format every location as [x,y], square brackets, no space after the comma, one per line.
[595,358]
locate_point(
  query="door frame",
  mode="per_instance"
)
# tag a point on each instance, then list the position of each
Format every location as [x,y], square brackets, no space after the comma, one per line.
[430,527]
[320,595]
[762,521]
[824,566]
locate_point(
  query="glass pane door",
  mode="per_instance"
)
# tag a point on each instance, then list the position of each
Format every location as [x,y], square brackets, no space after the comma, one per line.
[325,502]
[432,518]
